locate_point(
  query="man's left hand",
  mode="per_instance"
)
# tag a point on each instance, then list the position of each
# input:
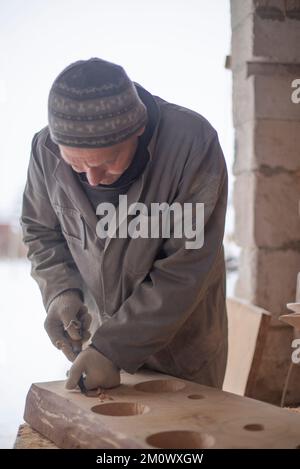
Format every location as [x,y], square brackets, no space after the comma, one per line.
[98,370]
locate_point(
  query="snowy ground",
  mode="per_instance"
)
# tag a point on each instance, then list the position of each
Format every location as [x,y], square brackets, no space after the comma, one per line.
[26,354]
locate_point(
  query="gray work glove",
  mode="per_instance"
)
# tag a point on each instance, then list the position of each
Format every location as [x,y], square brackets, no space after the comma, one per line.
[67,323]
[98,371]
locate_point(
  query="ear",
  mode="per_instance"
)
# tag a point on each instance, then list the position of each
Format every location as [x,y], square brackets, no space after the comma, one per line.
[140,131]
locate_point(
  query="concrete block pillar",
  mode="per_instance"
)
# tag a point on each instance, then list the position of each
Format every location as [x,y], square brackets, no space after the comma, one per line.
[265,60]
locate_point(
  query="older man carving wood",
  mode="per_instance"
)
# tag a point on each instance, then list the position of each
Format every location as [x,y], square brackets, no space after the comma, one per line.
[160,305]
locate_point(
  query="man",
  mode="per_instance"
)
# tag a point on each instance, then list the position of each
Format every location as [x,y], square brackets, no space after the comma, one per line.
[159,304]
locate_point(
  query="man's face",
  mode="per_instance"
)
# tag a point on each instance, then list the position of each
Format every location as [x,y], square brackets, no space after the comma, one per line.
[101,165]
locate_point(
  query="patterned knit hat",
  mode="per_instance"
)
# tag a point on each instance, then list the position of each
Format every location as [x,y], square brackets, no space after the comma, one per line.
[93,103]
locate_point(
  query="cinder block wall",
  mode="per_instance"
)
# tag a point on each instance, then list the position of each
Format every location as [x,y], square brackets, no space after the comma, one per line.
[265,60]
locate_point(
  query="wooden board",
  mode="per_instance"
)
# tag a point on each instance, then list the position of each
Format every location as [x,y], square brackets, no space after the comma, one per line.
[152,410]
[247,333]
[27,438]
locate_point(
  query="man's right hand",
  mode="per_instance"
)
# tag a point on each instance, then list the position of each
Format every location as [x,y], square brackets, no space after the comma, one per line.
[67,323]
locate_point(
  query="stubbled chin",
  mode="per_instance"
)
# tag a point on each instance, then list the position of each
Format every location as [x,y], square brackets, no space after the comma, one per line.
[109,181]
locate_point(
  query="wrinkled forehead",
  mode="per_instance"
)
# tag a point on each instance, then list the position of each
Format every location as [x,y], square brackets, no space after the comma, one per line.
[71,154]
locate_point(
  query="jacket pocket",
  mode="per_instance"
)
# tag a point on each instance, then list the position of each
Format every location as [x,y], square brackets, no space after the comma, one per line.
[72,224]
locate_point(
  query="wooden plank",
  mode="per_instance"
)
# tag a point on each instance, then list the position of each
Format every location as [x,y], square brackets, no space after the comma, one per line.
[247,333]
[27,438]
[152,410]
